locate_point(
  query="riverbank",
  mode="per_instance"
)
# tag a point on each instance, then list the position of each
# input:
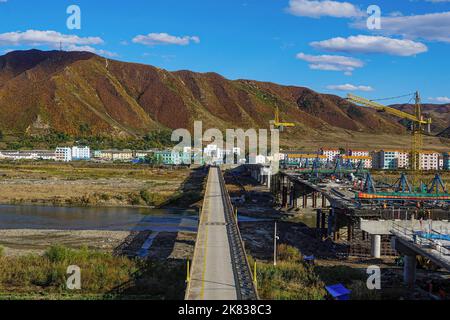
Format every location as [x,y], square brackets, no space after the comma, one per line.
[99,185]
[22,242]
[102,275]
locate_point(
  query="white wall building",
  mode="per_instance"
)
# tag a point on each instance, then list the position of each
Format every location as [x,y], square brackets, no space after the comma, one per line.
[63,154]
[429,160]
[331,154]
[81,153]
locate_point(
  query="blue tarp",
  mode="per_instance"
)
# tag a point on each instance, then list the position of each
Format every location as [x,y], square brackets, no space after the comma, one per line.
[338,292]
[433,236]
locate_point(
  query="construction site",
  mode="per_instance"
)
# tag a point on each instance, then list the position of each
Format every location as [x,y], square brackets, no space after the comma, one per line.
[407,220]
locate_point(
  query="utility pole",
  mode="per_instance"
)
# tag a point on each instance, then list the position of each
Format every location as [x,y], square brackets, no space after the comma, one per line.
[275,238]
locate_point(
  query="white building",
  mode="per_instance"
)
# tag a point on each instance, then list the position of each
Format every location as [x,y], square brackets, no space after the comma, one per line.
[359,153]
[331,154]
[429,160]
[367,161]
[63,154]
[392,159]
[81,153]
[28,155]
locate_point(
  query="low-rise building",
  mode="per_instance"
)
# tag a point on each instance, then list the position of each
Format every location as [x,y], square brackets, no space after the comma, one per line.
[28,155]
[114,155]
[169,157]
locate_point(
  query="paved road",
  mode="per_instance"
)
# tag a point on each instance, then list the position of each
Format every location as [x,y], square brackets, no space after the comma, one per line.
[212,274]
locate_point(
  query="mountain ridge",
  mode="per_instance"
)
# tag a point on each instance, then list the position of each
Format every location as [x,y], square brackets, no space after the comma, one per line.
[83,93]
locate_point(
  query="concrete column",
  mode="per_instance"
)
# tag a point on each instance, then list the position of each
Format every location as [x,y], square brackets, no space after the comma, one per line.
[324,219]
[409,270]
[324,201]
[318,218]
[376,246]
[284,196]
[269,181]
[305,201]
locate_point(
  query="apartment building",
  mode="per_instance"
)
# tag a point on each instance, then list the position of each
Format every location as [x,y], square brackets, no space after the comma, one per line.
[304,158]
[28,155]
[446,161]
[392,159]
[366,160]
[63,154]
[429,160]
[358,153]
[331,154]
[81,153]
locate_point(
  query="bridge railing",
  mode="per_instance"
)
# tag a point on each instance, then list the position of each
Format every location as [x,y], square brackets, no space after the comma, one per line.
[196,249]
[411,235]
[243,275]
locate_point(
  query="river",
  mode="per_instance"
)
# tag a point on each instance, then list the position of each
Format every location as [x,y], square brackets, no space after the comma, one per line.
[107,219]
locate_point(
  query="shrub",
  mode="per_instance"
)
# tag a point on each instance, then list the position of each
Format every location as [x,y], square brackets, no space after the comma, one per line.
[2,251]
[288,253]
[134,199]
[59,253]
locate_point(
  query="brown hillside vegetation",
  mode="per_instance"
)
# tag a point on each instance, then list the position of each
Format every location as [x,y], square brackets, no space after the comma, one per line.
[64,91]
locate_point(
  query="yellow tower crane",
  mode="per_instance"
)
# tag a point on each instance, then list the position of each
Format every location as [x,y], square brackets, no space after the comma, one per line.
[418,124]
[281,125]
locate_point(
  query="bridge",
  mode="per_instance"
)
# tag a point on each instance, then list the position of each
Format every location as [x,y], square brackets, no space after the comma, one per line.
[431,244]
[220,269]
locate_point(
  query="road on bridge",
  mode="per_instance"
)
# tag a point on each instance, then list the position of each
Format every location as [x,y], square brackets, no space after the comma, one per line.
[213,276]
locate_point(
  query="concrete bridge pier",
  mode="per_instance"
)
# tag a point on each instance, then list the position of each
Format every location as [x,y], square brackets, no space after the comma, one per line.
[409,262]
[376,246]
[409,270]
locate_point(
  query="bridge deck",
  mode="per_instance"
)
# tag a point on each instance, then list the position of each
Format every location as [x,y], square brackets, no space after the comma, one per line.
[213,274]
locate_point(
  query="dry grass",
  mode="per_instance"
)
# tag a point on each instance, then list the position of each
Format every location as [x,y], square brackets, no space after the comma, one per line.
[87,184]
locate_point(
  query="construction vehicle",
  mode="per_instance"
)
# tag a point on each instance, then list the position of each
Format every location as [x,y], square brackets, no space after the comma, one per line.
[418,124]
[281,125]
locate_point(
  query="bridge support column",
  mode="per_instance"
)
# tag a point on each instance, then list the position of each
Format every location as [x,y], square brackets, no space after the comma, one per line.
[318,218]
[376,246]
[284,193]
[409,270]
[324,201]
[305,201]
[323,228]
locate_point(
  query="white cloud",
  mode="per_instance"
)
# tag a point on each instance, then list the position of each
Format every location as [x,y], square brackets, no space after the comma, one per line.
[331,62]
[153,39]
[371,44]
[349,87]
[53,39]
[319,8]
[440,99]
[50,38]
[91,49]
[433,26]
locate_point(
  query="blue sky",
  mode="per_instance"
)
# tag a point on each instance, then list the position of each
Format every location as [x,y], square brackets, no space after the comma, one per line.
[324,45]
